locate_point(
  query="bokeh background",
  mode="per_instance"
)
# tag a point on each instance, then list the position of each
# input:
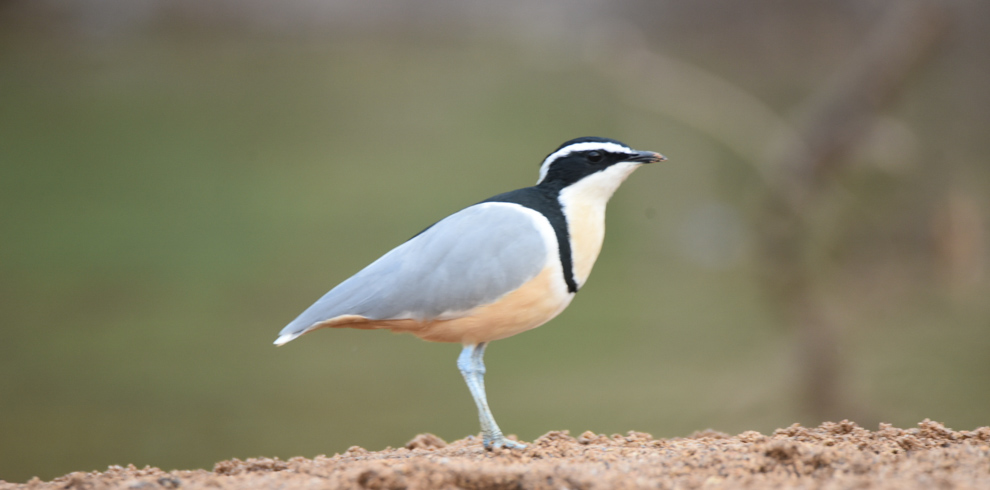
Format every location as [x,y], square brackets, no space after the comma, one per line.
[178,180]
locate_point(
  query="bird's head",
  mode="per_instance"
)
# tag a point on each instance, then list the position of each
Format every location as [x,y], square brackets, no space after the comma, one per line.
[603,159]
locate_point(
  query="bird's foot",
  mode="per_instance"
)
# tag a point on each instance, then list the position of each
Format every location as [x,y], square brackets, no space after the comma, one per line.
[497,440]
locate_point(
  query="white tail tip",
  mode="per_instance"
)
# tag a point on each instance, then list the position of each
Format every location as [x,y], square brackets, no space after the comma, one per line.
[284,338]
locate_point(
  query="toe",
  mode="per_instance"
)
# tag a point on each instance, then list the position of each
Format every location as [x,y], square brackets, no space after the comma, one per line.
[502,442]
[513,444]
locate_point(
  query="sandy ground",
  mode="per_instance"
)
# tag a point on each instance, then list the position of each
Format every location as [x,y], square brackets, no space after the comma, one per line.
[834,455]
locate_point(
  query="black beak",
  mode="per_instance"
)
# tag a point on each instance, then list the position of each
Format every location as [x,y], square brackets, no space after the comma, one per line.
[647,157]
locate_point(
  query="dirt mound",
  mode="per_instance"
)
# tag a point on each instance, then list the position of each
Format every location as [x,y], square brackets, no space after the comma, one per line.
[834,455]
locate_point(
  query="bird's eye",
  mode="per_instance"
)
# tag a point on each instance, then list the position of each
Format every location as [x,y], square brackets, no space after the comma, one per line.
[595,156]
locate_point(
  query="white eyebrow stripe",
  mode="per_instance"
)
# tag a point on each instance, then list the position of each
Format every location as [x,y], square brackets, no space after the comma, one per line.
[576,147]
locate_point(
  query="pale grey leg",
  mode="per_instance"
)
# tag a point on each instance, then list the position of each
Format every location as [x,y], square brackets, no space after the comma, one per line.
[472,367]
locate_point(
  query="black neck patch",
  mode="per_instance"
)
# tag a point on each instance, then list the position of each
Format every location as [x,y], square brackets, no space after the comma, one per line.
[544,200]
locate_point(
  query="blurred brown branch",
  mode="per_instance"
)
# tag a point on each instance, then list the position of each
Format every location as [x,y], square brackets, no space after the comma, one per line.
[836,119]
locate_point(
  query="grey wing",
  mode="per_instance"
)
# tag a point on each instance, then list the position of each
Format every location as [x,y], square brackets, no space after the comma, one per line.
[469,259]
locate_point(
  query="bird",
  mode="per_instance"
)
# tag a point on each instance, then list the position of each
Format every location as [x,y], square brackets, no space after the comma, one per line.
[494,269]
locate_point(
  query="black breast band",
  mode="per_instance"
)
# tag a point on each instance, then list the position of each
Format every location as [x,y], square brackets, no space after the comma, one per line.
[545,201]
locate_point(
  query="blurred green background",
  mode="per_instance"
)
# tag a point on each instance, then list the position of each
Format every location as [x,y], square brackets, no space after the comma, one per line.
[178,180]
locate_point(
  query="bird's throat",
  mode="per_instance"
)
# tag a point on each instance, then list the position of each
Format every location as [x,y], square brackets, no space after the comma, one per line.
[583,204]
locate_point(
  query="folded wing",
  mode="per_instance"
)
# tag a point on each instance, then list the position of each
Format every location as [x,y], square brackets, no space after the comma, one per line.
[467,260]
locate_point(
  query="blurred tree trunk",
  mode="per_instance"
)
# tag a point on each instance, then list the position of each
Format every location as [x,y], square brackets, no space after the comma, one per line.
[830,125]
